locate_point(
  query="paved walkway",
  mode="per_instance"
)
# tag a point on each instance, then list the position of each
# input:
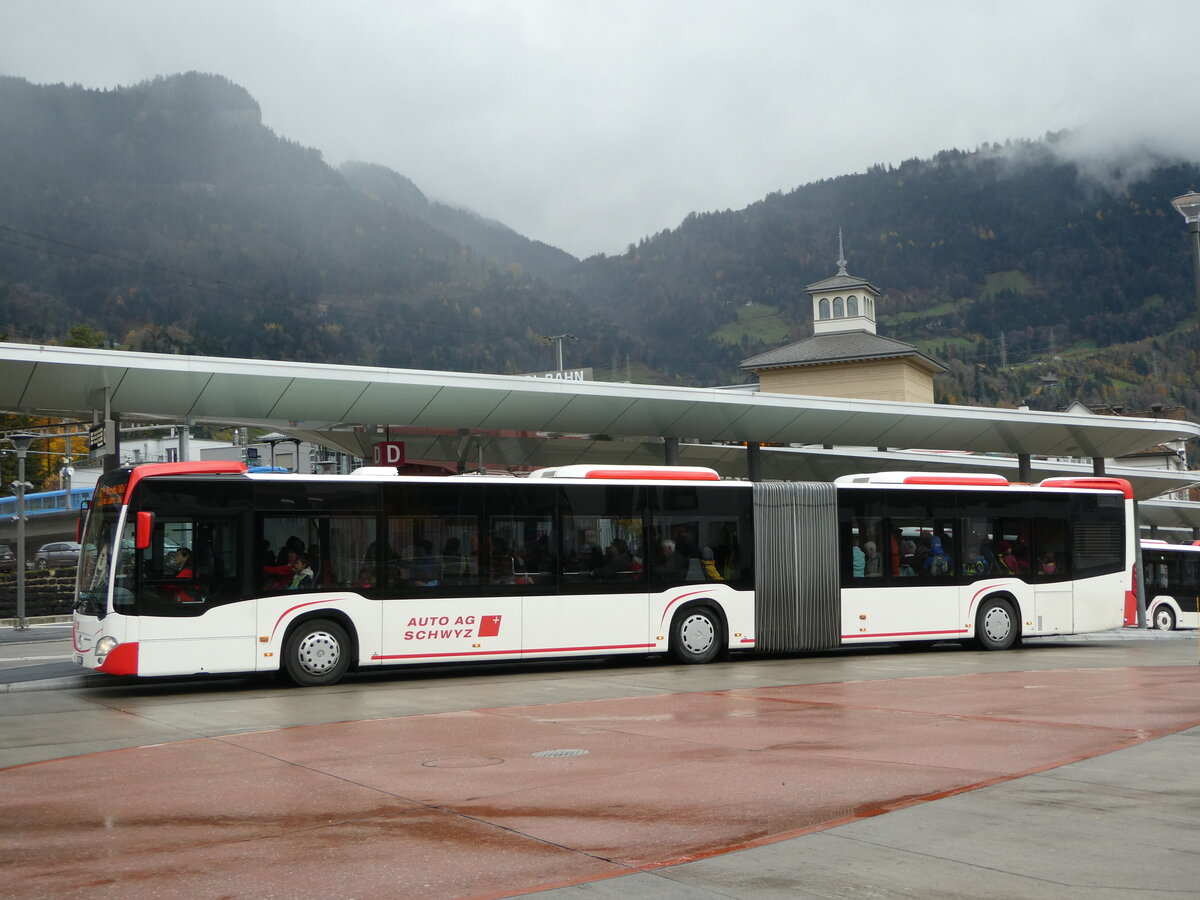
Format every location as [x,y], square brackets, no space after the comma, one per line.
[1066,782]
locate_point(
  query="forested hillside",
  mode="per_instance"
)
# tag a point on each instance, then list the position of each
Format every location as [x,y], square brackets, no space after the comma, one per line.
[1009,264]
[166,217]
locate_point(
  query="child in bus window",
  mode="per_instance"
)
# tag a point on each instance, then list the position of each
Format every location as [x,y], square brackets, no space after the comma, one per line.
[302,575]
[1047,565]
[975,563]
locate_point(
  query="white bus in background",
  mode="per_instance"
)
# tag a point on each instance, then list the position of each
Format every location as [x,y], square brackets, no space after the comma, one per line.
[191,568]
[1172,584]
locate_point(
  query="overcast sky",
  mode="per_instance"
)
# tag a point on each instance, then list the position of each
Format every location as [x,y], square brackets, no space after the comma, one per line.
[589,124]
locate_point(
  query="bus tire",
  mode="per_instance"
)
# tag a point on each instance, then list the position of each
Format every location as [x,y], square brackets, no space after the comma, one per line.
[996,625]
[696,636]
[1164,618]
[317,652]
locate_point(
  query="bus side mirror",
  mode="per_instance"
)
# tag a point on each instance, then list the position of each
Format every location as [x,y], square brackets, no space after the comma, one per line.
[145,528]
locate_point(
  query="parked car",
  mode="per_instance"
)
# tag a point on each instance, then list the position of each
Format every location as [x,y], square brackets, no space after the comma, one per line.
[8,559]
[59,553]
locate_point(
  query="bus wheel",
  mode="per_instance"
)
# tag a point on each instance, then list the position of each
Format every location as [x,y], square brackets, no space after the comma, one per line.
[696,636]
[996,625]
[1164,618]
[316,653]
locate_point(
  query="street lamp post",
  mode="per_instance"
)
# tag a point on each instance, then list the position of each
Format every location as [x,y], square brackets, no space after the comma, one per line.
[21,442]
[558,339]
[1188,206]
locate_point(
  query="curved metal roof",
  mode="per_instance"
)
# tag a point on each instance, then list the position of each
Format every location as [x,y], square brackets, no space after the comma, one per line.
[291,396]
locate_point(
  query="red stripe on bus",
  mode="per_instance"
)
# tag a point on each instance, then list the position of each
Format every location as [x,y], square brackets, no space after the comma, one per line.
[207,467]
[288,612]
[511,652]
[652,475]
[965,480]
[123,660]
[1096,483]
[847,637]
[679,599]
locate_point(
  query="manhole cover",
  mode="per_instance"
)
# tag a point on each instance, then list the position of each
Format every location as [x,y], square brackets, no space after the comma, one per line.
[557,753]
[463,762]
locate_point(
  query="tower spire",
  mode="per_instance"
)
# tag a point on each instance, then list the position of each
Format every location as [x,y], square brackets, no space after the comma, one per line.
[841,262]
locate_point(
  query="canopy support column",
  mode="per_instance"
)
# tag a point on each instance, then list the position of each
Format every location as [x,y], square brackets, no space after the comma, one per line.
[754,461]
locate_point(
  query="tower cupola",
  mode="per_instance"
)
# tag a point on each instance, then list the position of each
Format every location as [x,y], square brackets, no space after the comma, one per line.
[843,302]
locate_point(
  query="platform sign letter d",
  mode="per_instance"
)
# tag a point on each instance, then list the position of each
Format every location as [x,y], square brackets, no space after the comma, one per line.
[387,453]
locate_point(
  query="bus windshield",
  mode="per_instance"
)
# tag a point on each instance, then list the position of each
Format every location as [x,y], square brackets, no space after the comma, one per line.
[97,544]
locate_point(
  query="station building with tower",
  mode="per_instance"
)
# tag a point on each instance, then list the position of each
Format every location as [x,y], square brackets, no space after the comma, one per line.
[846,357]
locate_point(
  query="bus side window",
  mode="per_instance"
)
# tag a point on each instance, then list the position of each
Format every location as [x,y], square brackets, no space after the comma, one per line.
[1050,557]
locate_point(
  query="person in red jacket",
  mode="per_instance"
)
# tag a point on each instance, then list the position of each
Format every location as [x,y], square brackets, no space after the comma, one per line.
[181,561]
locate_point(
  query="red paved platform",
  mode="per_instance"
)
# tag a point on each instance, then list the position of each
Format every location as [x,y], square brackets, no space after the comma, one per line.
[457,805]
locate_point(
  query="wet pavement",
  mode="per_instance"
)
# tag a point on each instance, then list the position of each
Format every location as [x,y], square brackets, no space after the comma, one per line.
[1064,769]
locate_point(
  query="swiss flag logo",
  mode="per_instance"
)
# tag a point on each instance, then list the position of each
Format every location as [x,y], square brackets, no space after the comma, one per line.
[489,626]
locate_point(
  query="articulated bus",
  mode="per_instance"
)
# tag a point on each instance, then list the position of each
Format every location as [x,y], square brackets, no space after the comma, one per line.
[193,568]
[1172,584]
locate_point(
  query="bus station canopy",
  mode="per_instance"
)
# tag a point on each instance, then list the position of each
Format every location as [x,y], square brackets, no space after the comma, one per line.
[520,420]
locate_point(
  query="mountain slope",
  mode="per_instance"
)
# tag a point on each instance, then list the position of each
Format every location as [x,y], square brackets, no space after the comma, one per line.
[487,239]
[1000,258]
[168,217]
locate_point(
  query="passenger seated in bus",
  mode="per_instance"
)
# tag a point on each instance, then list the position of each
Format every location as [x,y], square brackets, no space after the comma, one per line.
[422,570]
[685,541]
[181,562]
[908,558]
[938,562]
[1047,566]
[366,577]
[302,574]
[500,562]
[975,564]
[292,548]
[1008,562]
[620,561]
[858,561]
[672,566]
[280,576]
[590,555]
[873,567]
[708,564]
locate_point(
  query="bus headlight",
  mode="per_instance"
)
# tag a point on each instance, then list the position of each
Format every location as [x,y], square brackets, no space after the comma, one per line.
[105,646]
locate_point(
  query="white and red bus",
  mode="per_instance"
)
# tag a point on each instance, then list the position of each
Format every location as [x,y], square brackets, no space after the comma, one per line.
[1172,584]
[204,568]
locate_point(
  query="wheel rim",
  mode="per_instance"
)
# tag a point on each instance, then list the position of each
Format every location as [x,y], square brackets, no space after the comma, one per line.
[697,634]
[318,652]
[997,624]
[1162,619]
